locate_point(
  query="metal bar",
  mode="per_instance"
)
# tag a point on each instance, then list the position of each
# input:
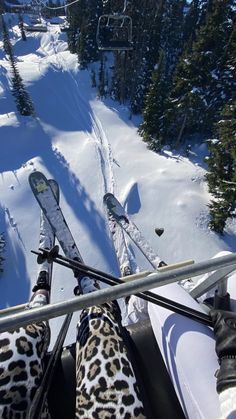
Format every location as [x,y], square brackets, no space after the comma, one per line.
[154,298]
[210,282]
[9,323]
[108,294]
[40,396]
[12,309]
[175,265]
[136,276]
[222,287]
[125,6]
[159,300]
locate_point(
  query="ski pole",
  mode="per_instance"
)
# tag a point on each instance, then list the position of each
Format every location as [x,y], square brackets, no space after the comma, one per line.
[42,391]
[111,280]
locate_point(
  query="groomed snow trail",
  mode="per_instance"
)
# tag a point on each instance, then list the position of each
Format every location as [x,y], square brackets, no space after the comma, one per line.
[53,49]
[103,149]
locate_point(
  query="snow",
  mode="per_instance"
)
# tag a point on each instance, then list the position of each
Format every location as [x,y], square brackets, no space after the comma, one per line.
[90,147]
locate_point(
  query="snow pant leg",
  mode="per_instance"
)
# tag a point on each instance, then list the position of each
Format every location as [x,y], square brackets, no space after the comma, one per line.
[22,355]
[105,382]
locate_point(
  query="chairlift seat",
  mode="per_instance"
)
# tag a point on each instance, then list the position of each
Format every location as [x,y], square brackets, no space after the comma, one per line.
[115,46]
[36,28]
[158,390]
[114,32]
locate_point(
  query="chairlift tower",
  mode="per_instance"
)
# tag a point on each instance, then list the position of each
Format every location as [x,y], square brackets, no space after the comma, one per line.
[114,31]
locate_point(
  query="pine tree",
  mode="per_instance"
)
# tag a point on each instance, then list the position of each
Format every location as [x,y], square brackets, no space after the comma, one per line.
[74,17]
[222,169]
[119,89]
[199,90]
[2,7]
[133,70]
[2,249]
[146,36]
[152,127]
[101,75]
[171,39]
[23,101]
[93,78]
[171,42]
[21,26]
[86,45]
[191,22]
[6,41]
[22,98]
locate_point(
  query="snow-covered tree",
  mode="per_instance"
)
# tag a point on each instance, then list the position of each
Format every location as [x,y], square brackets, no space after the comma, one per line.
[222,169]
[102,79]
[86,45]
[6,41]
[152,127]
[133,70]
[171,37]
[199,89]
[22,98]
[74,18]
[146,25]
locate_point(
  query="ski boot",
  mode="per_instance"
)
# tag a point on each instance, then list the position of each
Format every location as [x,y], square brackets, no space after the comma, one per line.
[85,285]
[41,291]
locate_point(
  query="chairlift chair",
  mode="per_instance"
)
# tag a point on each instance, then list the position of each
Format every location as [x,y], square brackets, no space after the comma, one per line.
[36,28]
[114,32]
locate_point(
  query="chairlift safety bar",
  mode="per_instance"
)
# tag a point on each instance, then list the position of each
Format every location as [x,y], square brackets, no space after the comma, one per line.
[49,311]
[213,280]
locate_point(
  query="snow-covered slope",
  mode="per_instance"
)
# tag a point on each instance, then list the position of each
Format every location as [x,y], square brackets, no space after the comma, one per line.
[90,147]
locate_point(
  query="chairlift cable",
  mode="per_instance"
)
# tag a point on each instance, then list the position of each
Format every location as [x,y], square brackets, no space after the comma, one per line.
[125,6]
[57,7]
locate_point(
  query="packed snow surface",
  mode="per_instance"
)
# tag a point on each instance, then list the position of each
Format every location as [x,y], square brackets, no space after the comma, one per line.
[91,147]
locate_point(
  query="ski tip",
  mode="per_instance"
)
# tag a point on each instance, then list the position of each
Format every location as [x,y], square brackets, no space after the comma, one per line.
[159,231]
[107,195]
[36,176]
[36,173]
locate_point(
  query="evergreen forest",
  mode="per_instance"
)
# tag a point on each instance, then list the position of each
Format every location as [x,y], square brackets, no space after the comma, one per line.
[179,75]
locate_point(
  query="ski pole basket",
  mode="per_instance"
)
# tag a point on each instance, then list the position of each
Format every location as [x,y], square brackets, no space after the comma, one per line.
[114,32]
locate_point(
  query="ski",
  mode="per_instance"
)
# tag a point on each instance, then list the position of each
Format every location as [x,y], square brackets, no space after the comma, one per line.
[120,246]
[117,211]
[52,225]
[47,239]
[51,209]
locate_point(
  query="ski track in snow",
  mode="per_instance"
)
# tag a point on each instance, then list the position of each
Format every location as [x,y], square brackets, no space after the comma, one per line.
[104,152]
[101,141]
[54,56]
[106,157]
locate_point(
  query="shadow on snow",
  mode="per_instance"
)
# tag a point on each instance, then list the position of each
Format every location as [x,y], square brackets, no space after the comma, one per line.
[16,290]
